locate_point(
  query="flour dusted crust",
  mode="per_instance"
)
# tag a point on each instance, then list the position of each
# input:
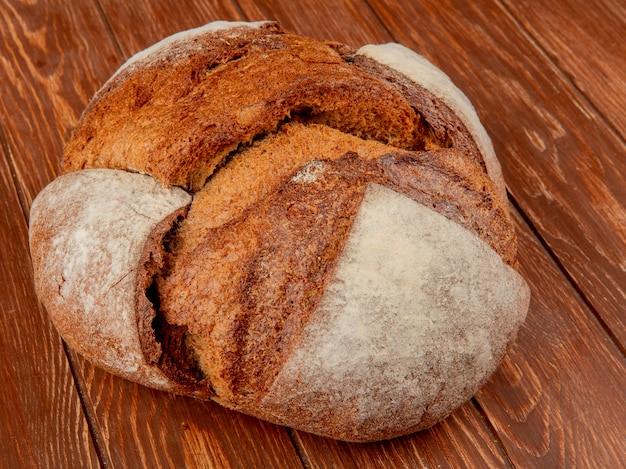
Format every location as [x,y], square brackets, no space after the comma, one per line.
[303,232]
[87,233]
[163,49]
[409,327]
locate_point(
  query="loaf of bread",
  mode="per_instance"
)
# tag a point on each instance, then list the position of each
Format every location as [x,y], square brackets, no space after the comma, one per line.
[311,234]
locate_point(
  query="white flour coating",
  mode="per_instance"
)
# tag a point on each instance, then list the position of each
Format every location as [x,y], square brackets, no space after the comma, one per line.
[418,69]
[309,172]
[417,316]
[167,43]
[87,230]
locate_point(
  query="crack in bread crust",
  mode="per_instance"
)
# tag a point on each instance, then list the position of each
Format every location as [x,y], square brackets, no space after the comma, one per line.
[178,126]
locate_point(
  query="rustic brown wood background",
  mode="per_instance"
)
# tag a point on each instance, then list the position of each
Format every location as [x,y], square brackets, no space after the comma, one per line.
[548,80]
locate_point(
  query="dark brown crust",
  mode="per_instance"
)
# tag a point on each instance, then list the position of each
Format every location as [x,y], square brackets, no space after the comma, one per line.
[444,181]
[164,344]
[446,127]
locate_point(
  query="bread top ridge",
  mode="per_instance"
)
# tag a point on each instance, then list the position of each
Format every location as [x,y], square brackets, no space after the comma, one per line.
[181,113]
[176,110]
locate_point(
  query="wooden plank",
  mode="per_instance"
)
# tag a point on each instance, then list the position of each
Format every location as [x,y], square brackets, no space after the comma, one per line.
[41,419]
[137,25]
[44,86]
[561,163]
[461,440]
[145,428]
[558,399]
[586,41]
[42,95]
[351,22]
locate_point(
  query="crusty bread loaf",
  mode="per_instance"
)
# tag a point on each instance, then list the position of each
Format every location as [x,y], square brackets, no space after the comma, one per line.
[303,232]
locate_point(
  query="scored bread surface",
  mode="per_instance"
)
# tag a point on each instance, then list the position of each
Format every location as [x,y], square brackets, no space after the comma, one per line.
[286,145]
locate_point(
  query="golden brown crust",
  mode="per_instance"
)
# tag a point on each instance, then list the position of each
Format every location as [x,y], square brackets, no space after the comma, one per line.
[178,126]
[278,137]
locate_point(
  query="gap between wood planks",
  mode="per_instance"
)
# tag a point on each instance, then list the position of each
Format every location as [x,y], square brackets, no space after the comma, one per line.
[581,294]
[607,123]
[567,78]
[492,431]
[17,187]
[94,429]
[110,32]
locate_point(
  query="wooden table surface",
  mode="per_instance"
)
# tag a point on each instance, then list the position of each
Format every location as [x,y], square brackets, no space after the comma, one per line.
[548,80]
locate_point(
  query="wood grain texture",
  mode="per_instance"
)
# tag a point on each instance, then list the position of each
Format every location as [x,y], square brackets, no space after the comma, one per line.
[47,79]
[558,398]
[152,21]
[140,427]
[461,440]
[41,419]
[348,21]
[558,157]
[585,39]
